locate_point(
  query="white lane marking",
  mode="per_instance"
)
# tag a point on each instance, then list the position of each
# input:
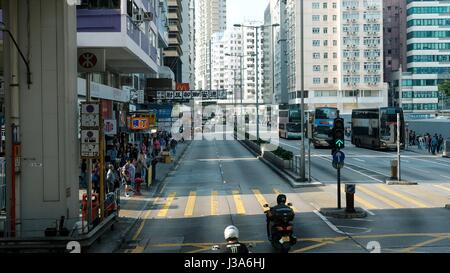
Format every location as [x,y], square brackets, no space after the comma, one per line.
[432,162]
[325,157]
[371,177]
[369,212]
[357,159]
[333,227]
[361,228]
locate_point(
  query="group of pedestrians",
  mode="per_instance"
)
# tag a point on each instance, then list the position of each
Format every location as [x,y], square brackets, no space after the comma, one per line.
[434,144]
[128,165]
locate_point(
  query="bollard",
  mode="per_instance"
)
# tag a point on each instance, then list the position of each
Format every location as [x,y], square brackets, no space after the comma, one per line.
[350,190]
[394,166]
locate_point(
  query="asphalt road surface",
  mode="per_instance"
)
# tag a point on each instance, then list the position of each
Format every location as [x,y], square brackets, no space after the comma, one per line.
[219,183]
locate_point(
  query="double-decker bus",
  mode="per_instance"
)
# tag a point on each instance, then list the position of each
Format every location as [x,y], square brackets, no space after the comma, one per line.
[322,126]
[377,128]
[290,124]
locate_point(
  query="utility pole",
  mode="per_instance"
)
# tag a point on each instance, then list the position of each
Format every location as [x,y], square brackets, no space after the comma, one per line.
[302,71]
[398,147]
[257,87]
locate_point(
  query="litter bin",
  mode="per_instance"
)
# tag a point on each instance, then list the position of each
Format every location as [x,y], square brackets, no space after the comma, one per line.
[394,169]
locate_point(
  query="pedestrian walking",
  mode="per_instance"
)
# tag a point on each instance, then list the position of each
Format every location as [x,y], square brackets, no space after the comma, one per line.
[111,178]
[440,144]
[173,146]
[434,143]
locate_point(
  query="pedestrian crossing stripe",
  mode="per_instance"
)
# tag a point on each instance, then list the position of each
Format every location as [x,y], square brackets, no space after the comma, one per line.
[374,193]
[442,187]
[261,200]
[189,211]
[401,196]
[366,204]
[163,212]
[238,202]
[214,204]
[277,192]
[379,197]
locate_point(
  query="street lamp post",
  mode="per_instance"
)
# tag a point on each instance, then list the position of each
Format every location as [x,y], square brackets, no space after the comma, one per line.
[302,71]
[257,70]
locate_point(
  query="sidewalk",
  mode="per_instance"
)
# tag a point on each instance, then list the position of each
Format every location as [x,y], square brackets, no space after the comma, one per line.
[132,208]
[422,151]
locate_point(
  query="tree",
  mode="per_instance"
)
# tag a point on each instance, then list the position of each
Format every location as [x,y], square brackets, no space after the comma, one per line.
[445,88]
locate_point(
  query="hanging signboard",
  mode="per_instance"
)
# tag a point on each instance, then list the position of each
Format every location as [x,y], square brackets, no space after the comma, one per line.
[91,60]
[178,95]
[110,127]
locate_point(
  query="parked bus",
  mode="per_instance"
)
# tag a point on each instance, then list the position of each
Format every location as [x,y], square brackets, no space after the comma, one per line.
[290,124]
[322,126]
[377,128]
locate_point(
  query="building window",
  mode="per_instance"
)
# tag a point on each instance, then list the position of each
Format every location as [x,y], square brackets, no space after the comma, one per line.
[334,67]
[316,68]
[325,42]
[334,17]
[316,30]
[335,30]
[325,5]
[316,80]
[316,55]
[316,18]
[334,55]
[316,5]
[335,80]
[325,30]
[325,55]
[334,42]
[325,18]
[334,5]
[316,42]
[325,80]
[325,68]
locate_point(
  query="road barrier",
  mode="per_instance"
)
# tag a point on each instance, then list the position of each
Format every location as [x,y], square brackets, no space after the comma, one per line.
[446,148]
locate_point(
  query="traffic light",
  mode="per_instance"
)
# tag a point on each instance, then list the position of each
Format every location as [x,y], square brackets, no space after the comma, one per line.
[339,134]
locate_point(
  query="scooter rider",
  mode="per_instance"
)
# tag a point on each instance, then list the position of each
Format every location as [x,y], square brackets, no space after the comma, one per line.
[280,209]
[231,234]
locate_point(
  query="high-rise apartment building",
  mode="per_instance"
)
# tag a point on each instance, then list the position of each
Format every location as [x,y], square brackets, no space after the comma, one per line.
[275,54]
[343,53]
[427,34]
[173,55]
[210,18]
[233,63]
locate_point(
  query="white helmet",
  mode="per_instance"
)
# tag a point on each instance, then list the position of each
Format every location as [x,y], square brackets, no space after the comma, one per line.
[231,232]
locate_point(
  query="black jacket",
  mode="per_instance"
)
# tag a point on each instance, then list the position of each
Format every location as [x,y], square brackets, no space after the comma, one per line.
[236,248]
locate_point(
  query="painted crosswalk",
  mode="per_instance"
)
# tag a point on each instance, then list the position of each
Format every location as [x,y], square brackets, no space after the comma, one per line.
[251,201]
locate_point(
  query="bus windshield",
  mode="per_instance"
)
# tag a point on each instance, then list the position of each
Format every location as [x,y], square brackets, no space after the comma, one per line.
[294,116]
[326,113]
[294,127]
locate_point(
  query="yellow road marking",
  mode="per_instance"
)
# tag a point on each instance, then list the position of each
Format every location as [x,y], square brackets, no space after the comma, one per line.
[189,211]
[442,187]
[416,246]
[277,192]
[362,201]
[163,212]
[311,247]
[141,227]
[381,198]
[261,200]
[401,196]
[214,203]
[138,249]
[238,202]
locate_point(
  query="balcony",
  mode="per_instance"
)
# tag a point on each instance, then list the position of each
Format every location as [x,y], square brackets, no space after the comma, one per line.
[128,48]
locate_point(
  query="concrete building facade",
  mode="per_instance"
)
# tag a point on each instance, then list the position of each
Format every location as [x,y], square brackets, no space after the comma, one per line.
[343,54]
[211,16]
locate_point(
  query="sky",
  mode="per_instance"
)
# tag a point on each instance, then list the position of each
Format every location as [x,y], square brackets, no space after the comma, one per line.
[239,11]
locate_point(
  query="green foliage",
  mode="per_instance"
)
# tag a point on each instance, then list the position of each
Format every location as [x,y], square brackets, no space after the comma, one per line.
[282,153]
[445,88]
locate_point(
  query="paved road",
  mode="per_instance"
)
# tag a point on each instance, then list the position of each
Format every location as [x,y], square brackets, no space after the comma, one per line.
[370,166]
[219,183]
